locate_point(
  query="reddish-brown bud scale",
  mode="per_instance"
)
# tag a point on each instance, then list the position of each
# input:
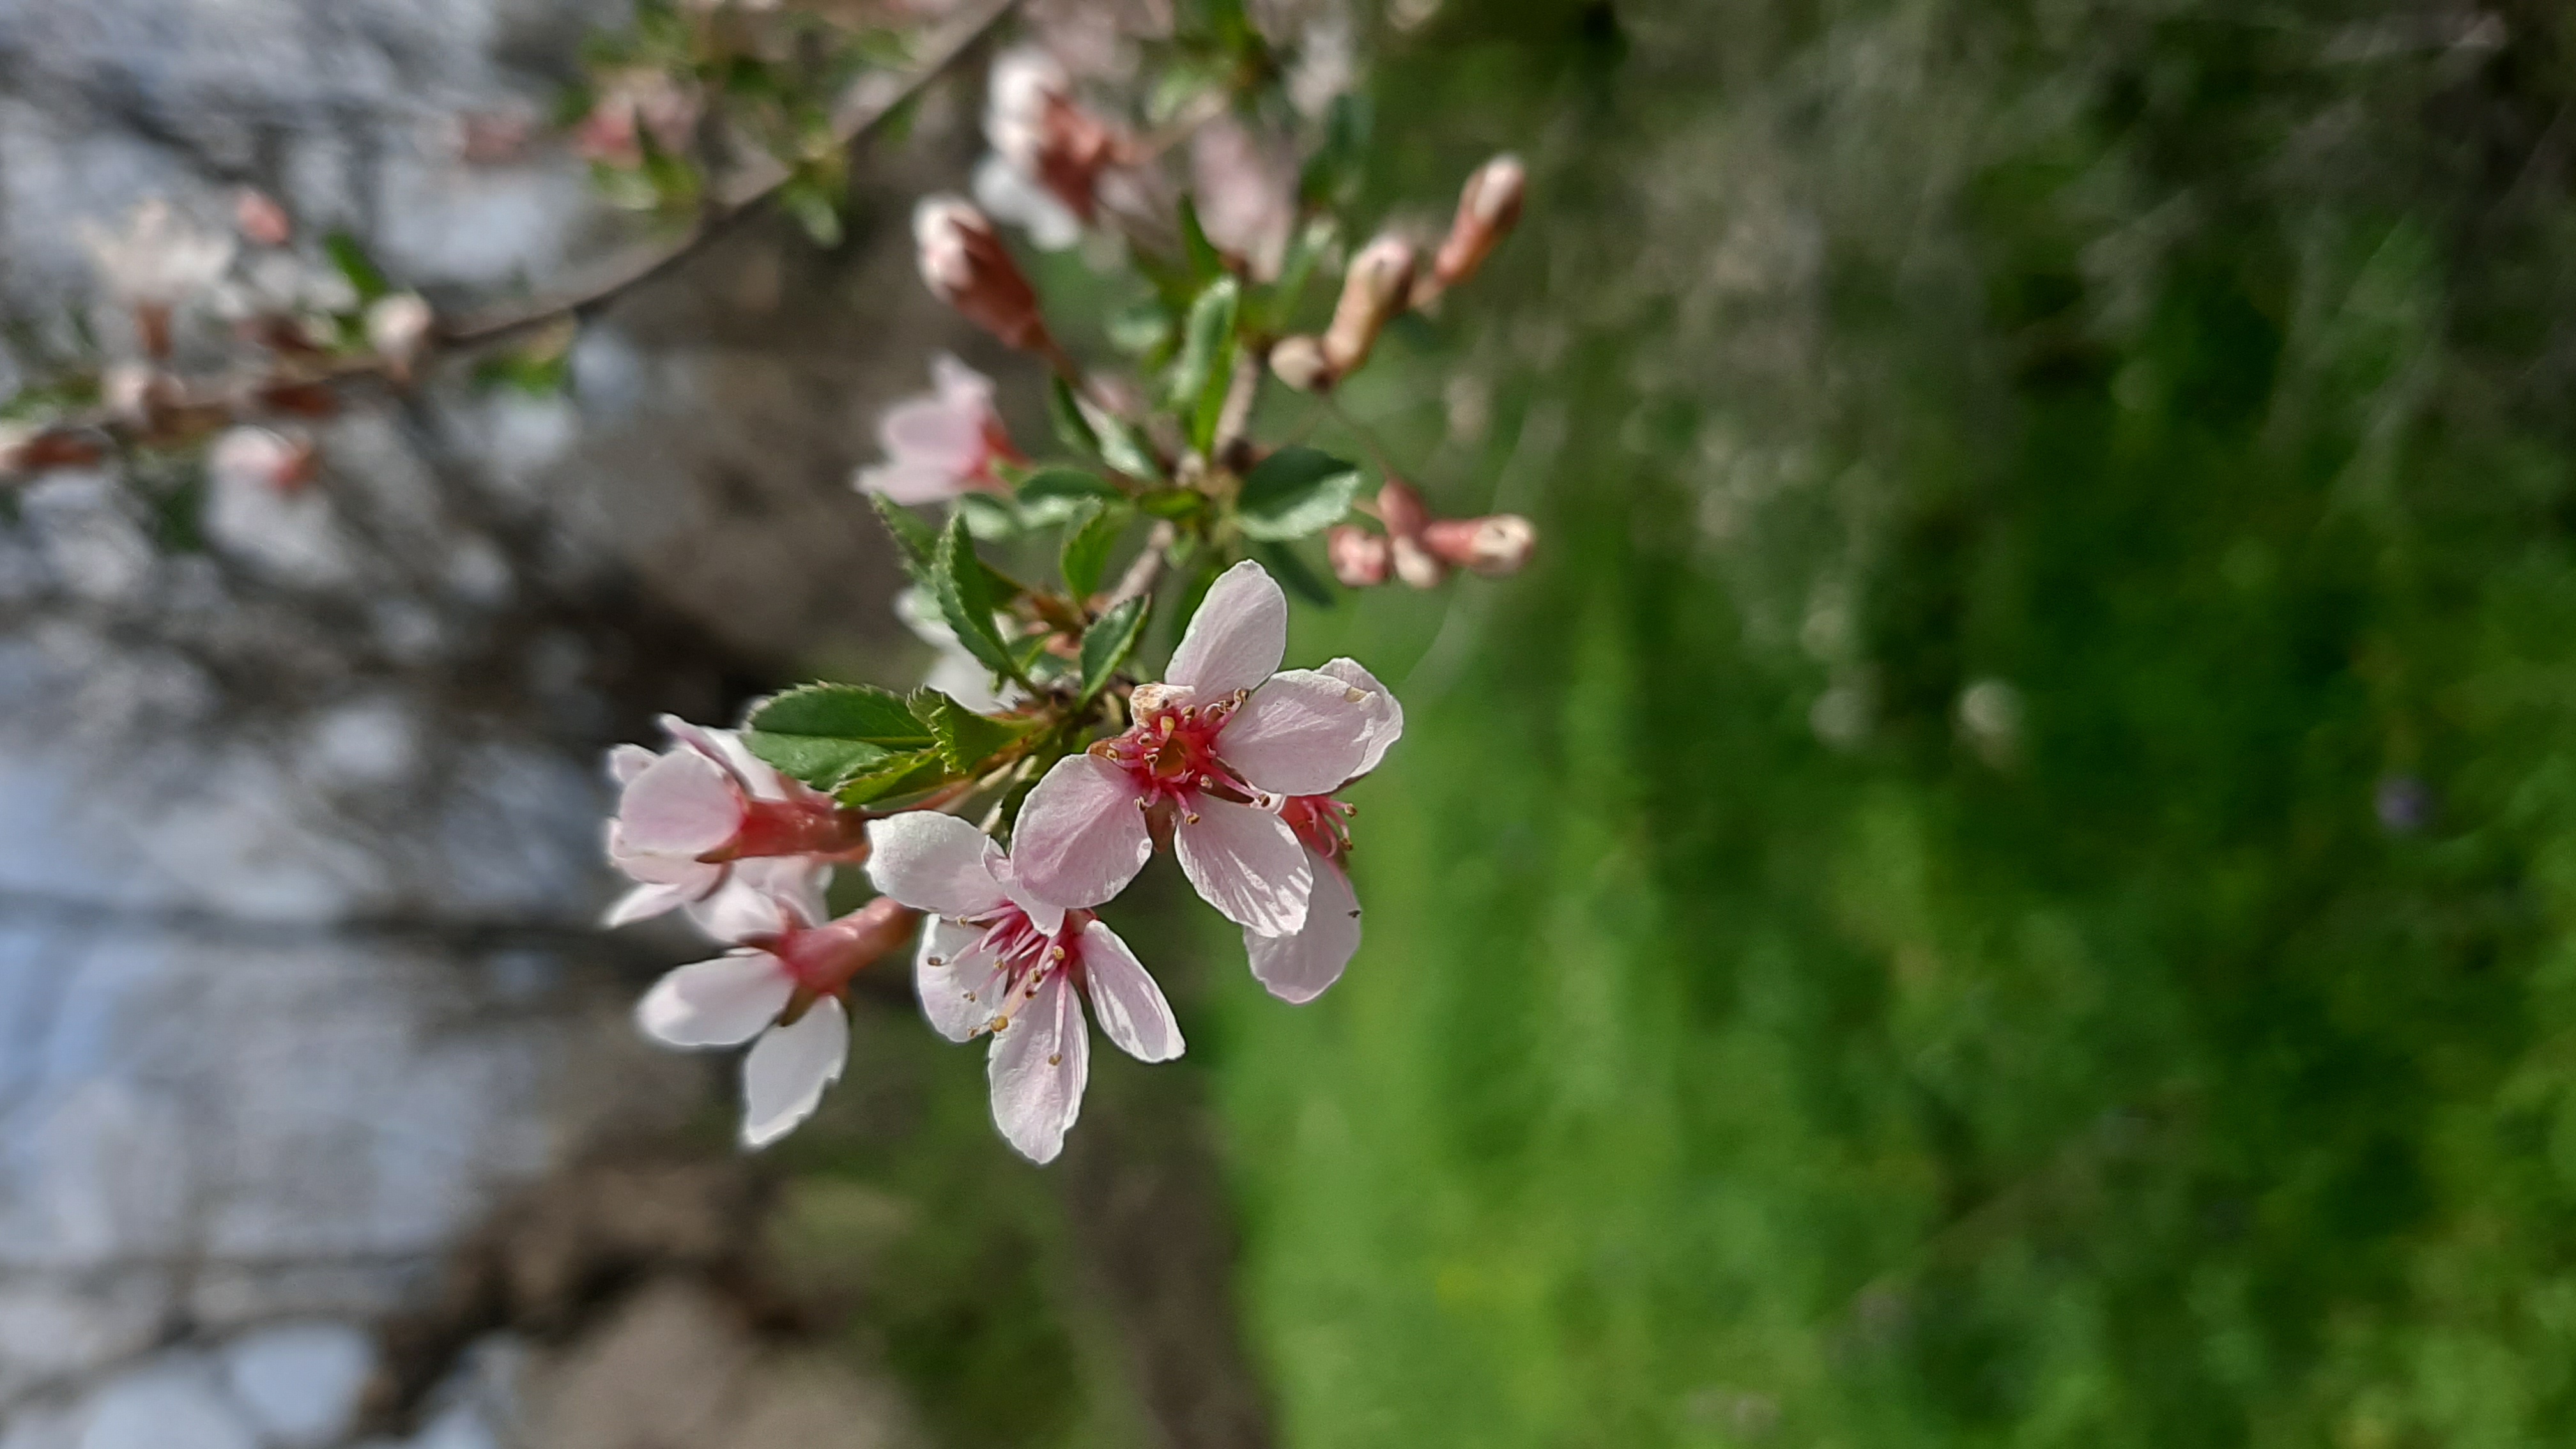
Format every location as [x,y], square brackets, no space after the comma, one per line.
[965,265]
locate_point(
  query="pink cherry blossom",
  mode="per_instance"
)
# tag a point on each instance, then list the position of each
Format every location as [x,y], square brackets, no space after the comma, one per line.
[779,988]
[1298,966]
[999,957]
[685,815]
[1214,747]
[941,443]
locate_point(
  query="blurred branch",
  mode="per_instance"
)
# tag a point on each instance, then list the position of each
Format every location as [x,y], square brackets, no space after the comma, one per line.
[867,104]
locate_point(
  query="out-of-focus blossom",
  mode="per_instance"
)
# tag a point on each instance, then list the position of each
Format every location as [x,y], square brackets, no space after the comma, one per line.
[1487,209]
[260,220]
[1297,966]
[686,814]
[1360,559]
[634,105]
[1374,290]
[1036,128]
[780,989]
[160,257]
[262,458]
[1246,193]
[1000,957]
[1226,730]
[942,443]
[965,265]
[288,300]
[1009,196]
[1494,545]
[398,328]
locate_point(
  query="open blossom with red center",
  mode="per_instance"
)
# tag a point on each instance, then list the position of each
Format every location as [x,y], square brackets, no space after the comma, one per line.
[942,443]
[999,957]
[1297,966]
[1213,748]
[686,814]
[781,984]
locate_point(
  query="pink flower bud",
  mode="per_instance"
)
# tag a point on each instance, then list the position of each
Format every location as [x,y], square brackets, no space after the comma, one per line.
[133,391]
[1360,559]
[1414,564]
[1373,292]
[965,265]
[1494,545]
[1487,209]
[1038,131]
[1401,509]
[1299,362]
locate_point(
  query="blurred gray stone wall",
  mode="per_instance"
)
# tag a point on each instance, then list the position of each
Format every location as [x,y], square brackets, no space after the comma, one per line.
[299,815]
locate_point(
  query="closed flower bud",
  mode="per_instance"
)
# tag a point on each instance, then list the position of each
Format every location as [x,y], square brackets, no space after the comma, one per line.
[1401,508]
[1360,559]
[1299,362]
[1487,208]
[1040,133]
[1373,292]
[1415,564]
[1494,545]
[965,265]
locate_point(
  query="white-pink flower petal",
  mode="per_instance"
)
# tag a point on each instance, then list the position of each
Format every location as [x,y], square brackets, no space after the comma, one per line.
[958,983]
[1038,1068]
[1297,967]
[1124,999]
[1386,711]
[1245,862]
[1081,834]
[936,863]
[1302,733]
[723,1002]
[682,804]
[1237,637]
[784,1074]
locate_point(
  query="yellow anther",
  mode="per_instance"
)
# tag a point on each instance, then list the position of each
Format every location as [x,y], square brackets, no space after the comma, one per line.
[1356,694]
[1055,953]
[1055,1059]
[1192,817]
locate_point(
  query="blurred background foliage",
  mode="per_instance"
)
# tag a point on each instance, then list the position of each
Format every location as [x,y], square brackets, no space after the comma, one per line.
[2006,878]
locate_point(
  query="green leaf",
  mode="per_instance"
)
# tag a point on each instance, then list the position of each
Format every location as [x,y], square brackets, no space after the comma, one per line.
[1173,502]
[1140,328]
[1064,412]
[842,711]
[1123,450]
[1295,492]
[905,774]
[964,588]
[827,734]
[1289,569]
[1205,261]
[354,263]
[967,741]
[916,538]
[1108,642]
[1086,548]
[1067,483]
[990,517]
[1204,367]
[810,200]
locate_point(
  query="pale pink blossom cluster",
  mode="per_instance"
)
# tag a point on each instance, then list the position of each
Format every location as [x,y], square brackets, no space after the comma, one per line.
[1231,761]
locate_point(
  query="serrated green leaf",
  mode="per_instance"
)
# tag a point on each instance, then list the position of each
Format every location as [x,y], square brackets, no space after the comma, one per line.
[841,711]
[1204,341]
[916,539]
[1290,570]
[1049,483]
[1064,412]
[1108,642]
[1087,543]
[1295,492]
[905,774]
[990,517]
[967,741]
[959,580]
[822,763]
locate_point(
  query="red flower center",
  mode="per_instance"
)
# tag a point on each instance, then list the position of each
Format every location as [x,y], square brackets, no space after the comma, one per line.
[1171,753]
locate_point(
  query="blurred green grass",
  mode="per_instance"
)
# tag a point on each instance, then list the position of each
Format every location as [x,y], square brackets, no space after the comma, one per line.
[1727,1068]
